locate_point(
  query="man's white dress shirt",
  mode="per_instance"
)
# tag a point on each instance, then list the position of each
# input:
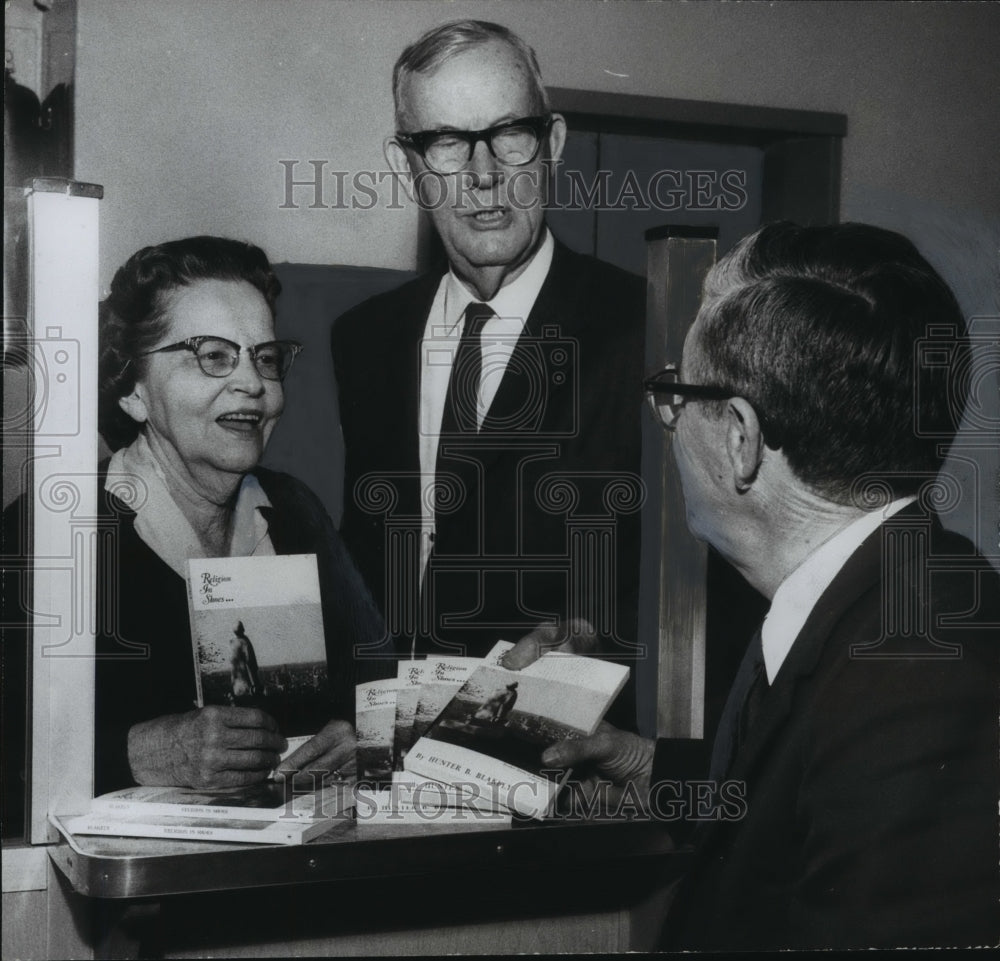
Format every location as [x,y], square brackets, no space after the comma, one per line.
[511,306]
[798,593]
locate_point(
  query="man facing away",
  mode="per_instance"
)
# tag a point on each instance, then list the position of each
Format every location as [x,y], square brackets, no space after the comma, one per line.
[490,409]
[856,768]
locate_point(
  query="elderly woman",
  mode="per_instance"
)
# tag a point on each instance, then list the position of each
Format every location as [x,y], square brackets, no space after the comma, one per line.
[190,390]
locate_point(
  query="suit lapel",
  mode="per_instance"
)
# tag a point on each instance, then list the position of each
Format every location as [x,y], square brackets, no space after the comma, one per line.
[861,572]
[536,372]
[401,389]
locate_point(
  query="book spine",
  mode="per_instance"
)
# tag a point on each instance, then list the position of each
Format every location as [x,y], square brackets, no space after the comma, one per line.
[199,697]
[272,834]
[280,815]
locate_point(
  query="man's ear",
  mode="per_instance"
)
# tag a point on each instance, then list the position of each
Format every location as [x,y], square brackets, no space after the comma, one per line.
[396,158]
[744,442]
[557,136]
[134,405]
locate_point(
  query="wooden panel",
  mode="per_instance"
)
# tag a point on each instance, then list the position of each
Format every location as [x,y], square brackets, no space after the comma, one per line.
[472,909]
[53,923]
[600,933]
[674,565]
[753,123]
[802,180]
[23,921]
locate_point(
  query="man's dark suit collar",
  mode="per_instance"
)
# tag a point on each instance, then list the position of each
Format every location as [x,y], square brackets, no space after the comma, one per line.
[549,315]
[559,289]
[400,358]
[863,571]
[552,311]
[401,353]
[558,313]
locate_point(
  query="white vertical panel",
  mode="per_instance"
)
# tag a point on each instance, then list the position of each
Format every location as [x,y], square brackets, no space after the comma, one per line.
[63,230]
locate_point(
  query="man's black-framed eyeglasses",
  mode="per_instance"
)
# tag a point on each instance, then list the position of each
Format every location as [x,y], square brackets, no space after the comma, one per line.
[218,357]
[514,143]
[667,395]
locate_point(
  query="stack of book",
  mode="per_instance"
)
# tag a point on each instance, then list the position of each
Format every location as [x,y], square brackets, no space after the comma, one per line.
[258,641]
[450,741]
[454,738]
[261,814]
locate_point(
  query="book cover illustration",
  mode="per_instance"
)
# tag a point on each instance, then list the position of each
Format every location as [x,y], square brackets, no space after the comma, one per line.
[257,629]
[444,676]
[495,728]
[375,724]
[410,675]
[268,801]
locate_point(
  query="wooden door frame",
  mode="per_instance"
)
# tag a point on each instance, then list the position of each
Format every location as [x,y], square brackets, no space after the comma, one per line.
[802,148]
[801,182]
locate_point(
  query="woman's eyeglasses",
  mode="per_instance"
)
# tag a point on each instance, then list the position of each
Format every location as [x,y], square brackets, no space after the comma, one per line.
[514,143]
[218,357]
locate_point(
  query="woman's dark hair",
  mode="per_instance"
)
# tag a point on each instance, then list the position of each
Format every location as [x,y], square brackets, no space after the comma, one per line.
[133,317]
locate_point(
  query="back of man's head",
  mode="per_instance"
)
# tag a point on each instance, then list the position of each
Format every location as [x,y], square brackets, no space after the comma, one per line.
[432,49]
[818,327]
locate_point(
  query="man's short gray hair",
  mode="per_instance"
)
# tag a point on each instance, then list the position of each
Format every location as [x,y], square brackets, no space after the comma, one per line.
[819,328]
[432,49]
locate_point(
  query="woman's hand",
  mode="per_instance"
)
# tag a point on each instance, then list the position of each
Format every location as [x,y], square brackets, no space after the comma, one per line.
[212,747]
[327,757]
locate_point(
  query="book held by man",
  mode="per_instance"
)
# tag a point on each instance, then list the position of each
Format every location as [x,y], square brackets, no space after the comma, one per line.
[411,799]
[410,676]
[494,730]
[443,677]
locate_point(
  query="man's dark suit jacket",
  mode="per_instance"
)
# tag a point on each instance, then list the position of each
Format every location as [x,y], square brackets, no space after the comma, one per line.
[536,502]
[871,770]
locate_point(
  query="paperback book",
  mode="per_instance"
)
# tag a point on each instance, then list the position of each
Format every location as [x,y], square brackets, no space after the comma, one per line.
[442,679]
[269,801]
[422,802]
[430,793]
[257,629]
[410,676]
[291,831]
[494,729]
[375,725]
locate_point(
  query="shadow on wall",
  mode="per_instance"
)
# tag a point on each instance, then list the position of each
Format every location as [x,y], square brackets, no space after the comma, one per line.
[963,246]
[307,441]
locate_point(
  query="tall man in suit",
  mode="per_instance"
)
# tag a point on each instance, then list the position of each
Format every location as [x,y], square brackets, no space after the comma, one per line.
[490,409]
[856,768]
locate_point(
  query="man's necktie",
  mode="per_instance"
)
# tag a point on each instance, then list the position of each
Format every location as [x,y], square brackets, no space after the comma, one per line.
[749,687]
[461,404]
[459,419]
[460,415]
